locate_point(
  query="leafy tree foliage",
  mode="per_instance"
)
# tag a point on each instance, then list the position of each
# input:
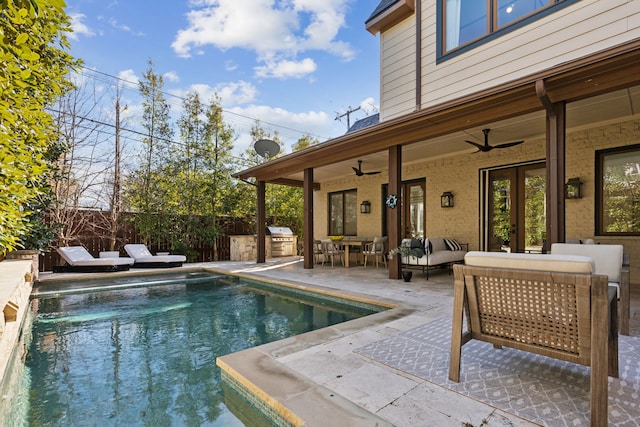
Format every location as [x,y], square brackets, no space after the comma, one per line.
[199,171]
[284,204]
[33,65]
[621,196]
[146,188]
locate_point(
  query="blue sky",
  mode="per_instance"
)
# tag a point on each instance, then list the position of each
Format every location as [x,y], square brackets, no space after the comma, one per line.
[292,64]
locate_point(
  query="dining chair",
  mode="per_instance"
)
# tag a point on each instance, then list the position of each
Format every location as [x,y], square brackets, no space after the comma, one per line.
[318,254]
[376,249]
[330,250]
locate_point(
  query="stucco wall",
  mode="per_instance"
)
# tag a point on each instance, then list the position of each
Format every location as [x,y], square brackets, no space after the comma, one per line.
[460,175]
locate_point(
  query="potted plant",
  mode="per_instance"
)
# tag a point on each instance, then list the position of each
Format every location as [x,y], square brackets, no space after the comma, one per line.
[406,251]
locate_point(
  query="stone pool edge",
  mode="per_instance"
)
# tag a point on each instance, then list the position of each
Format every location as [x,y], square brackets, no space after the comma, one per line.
[296,400]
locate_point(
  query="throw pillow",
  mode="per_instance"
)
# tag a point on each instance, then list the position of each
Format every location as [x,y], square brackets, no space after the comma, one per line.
[452,244]
[428,249]
[417,244]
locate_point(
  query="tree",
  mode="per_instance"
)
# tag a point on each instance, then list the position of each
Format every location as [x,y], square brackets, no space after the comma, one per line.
[33,66]
[146,187]
[284,204]
[200,172]
[81,170]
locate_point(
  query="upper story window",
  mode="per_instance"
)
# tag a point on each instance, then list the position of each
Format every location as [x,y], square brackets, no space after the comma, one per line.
[465,21]
[618,191]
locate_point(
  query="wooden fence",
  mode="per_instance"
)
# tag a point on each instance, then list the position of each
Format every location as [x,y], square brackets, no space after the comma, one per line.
[96,241]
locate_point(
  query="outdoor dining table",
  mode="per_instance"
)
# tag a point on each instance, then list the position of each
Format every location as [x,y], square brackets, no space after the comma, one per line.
[354,241]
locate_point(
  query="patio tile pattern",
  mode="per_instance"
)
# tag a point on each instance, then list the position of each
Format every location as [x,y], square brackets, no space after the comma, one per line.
[541,389]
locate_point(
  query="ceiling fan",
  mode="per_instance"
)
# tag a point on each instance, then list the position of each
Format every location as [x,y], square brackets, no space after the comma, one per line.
[486,147]
[359,172]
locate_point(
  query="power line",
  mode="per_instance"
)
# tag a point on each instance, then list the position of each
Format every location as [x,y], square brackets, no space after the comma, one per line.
[124,129]
[131,85]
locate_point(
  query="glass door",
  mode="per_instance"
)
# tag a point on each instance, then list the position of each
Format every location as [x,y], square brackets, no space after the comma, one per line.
[516,209]
[413,215]
[412,205]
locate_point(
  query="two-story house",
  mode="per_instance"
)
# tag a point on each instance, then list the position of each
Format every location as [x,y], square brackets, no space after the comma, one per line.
[509,125]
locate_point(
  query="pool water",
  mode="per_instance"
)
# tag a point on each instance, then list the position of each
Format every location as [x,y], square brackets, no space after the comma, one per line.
[146,355]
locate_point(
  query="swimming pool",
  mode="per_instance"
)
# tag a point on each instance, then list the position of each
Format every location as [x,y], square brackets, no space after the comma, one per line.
[139,355]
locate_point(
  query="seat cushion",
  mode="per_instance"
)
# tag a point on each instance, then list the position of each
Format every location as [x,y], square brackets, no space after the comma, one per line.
[607,258]
[539,262]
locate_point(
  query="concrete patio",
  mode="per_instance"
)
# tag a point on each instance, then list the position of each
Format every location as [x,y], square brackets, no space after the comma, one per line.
[319,376]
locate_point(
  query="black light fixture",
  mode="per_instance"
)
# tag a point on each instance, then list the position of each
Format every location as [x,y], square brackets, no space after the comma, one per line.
[573,189]
[365,207]
[446,200]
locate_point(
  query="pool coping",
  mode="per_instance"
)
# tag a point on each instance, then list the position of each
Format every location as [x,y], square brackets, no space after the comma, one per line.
[297,400]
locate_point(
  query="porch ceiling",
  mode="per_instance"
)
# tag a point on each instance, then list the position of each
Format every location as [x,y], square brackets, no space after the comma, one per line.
[598,88]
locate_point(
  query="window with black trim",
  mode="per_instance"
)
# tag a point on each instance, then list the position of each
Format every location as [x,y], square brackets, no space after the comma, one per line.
[618,197]
[343,213]
[464,21]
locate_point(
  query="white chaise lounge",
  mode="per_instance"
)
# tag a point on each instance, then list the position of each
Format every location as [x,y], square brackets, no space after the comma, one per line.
[145,259]
[78,259]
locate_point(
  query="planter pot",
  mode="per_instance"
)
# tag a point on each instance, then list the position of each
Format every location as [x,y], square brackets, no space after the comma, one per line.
[406,275]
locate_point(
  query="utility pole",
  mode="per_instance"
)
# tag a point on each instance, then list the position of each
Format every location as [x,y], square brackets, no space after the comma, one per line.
[116,196]
[348,114]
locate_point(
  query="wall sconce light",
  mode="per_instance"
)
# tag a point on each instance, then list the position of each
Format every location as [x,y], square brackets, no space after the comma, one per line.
[573,189]
[365,207]
[446,200]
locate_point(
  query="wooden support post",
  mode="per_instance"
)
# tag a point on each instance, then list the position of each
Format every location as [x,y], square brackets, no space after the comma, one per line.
[556,224]
[261,219]
[308,218]
[394,225]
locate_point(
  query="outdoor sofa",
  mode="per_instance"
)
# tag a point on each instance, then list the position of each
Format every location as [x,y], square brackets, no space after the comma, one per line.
[145,259]
[437,252]
[79,260]
[550,305]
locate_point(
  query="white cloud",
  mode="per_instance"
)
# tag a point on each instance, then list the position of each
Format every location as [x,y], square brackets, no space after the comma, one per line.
[129,77]
[285,69]
[171,76]
[123,27]
[290,126]
[231,93]
[79,27]
[271,29]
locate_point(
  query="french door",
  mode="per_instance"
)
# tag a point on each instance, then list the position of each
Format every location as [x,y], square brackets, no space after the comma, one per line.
[412,205]
[515,209]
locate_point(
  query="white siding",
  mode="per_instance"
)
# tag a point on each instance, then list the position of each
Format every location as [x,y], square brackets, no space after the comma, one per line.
[585,27]
[397,71]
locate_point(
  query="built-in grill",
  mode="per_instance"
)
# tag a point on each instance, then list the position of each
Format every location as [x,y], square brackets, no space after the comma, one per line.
[281,241]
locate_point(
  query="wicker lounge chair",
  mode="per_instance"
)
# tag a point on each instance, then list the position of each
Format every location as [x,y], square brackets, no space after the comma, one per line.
[79,260]
[569,315]
[145,259]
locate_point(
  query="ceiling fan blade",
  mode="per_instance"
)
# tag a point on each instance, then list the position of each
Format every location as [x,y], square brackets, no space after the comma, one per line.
[357,171]
[508,144]
[480,147]
[372,173]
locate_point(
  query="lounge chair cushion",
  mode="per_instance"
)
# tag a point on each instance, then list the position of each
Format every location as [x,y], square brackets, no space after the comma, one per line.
[141,254]
[79,256]
[607,258]
[538,262]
